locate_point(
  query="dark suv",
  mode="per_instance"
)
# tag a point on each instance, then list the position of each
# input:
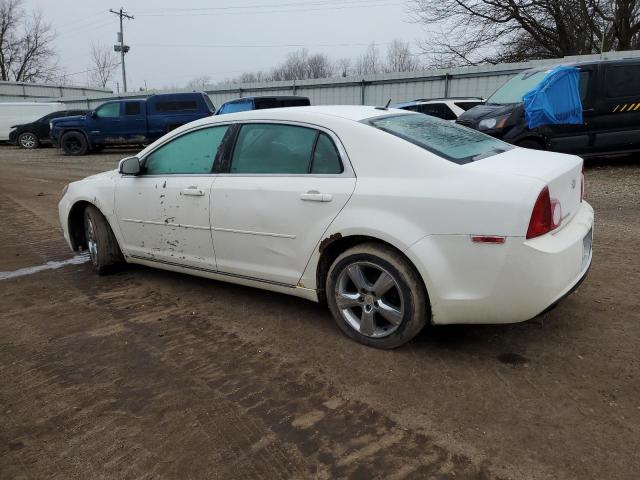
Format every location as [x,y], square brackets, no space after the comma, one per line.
[610,95]
[36,133]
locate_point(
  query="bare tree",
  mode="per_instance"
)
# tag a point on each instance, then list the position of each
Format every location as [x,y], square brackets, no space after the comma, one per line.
[400,58]
[104,65]
[343,67]
[319,66]
[369,62]
[199,83]
[476,31]
[26,45]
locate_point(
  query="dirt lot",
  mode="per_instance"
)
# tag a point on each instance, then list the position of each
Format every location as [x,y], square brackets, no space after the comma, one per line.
[150,374]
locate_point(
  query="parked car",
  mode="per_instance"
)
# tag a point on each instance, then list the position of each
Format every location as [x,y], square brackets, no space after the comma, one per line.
[610,94]
[396,219]
[36,133]
[259,103]
[445,108]
[129,122]
[16,113]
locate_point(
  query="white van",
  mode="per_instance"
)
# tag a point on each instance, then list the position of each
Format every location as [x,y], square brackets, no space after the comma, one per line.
[16,113]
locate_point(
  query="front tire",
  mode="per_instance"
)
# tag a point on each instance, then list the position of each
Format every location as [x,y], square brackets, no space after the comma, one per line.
[74,143]
[28,140]
[376,296]
[101,242]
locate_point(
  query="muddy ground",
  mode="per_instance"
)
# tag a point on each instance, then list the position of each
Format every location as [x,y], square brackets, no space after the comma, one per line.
[150,374]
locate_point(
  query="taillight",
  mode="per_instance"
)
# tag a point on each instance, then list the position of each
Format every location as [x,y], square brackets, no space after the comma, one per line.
[582,183]
[546,215]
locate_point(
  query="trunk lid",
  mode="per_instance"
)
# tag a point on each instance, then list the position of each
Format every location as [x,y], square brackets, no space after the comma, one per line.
[561,173]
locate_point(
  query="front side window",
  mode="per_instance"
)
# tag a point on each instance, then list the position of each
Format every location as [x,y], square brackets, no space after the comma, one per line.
[273,148]
[191,153]
[447,140]
[108,110]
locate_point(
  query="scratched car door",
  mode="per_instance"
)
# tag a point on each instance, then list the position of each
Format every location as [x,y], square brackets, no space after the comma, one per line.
[163,214]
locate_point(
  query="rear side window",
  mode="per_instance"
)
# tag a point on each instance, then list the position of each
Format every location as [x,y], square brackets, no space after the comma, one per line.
[191,153]
[439,110]
[325,157]
[176,106]
[622,81]
[132,108]
[273,148]
[447,140]
[466,105]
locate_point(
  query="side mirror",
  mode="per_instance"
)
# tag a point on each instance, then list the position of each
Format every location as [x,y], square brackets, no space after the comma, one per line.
[130,166]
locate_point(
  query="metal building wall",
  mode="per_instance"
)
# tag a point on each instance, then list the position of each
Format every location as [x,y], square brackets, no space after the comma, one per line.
[478,81]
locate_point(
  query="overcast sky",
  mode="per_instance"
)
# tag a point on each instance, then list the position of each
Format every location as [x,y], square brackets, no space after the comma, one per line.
[173,42]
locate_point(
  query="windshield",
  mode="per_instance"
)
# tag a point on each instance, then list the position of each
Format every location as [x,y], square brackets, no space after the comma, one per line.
[514,89]
[446,139]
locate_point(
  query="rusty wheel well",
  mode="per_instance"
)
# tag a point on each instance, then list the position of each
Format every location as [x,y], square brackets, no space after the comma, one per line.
[331,247]
[76,225]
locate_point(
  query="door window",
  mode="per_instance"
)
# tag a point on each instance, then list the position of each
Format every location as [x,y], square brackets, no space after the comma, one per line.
[132,108]
[273,148]
[108,110]
[191,153]
[325,157]
[439,110]
[622,81]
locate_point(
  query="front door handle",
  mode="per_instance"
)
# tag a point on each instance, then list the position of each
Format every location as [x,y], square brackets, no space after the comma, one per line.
[315,196]
[193,192]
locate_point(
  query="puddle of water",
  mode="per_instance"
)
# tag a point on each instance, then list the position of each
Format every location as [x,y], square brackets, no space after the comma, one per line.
[77,260]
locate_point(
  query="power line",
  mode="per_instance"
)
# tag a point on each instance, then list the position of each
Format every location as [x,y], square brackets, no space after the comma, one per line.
[280,45]
[368,4]
[327,3]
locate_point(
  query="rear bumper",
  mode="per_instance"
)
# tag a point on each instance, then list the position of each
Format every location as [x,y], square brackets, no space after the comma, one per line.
[508,283]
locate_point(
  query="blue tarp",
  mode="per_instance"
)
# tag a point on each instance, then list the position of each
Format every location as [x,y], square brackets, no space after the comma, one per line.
[555,100]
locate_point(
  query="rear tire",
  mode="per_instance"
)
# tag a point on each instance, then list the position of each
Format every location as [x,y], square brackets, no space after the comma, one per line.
[531,144]
[101,242]
[28,140]
[376,296]
[74,143]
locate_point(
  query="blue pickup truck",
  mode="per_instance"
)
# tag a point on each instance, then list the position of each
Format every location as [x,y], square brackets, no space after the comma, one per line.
[128,122]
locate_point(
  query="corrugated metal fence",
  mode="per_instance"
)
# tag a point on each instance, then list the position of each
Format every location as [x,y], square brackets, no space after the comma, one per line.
[478,81]
[37,92]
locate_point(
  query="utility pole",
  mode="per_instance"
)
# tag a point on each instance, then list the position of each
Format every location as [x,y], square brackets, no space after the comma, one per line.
[122,48]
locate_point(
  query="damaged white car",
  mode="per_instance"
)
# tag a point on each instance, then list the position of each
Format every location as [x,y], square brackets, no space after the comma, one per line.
[395,219]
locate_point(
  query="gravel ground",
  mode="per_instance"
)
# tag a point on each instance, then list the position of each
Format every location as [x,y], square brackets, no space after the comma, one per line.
[151,374]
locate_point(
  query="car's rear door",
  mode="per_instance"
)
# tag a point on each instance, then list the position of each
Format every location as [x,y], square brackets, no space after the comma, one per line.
[616,124]
[163,213]
[133,121]
[279,190]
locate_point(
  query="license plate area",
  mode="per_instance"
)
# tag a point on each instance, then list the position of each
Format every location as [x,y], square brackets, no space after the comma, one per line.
[587,242]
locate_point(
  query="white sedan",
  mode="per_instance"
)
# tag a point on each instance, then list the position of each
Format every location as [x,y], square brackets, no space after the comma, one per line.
[395,219]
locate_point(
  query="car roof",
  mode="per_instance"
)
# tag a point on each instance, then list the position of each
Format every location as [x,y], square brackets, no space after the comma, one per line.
[268,97]
[422,101]
[581,64]
[356,113]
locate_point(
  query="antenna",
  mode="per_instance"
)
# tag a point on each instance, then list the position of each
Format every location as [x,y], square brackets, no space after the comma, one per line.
[388,103]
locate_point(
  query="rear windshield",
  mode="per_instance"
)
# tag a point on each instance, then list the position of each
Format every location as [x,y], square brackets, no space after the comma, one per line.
[446,139]
[467,105]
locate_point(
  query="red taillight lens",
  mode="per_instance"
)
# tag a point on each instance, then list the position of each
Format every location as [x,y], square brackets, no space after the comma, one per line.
[542,215]
[582,183]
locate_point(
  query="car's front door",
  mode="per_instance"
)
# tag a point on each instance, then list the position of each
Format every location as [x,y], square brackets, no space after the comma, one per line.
[283,186]
[103,121]
[163,214]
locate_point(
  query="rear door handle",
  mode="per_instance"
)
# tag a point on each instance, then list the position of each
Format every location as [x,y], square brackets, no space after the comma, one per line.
[193,192]
[315,196]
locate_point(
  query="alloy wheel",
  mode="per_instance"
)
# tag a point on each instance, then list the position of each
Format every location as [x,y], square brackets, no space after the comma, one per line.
[92,244]
[369,299]
[28,140]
